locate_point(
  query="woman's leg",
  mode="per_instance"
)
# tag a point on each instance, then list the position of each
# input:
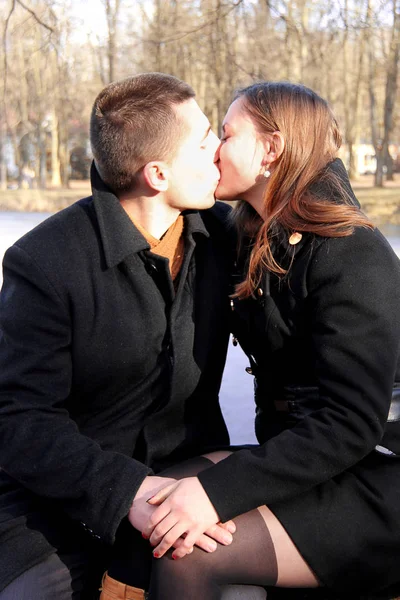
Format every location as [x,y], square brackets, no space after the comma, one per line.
[293,570]
[262,553]
[132,560]
[132,555]
[250,559]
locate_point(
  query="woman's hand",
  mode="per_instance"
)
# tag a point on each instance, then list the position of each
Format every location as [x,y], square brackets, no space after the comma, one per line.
[142,511]
[184,511]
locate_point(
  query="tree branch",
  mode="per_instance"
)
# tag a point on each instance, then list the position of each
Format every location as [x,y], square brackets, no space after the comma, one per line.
[180,36]
[34,15]
[6,22]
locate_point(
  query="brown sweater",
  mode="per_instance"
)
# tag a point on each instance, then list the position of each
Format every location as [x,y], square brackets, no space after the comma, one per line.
[171,245]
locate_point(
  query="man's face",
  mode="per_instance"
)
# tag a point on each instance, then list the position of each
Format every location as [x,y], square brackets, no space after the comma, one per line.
[193,174]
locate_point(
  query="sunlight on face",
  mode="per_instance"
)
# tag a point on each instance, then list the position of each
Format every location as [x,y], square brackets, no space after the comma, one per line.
[240,156]
[193,173]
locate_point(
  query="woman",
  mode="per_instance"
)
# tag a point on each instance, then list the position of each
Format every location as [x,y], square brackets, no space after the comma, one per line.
[316,309]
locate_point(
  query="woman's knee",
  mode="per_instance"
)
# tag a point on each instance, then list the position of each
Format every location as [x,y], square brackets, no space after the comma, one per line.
[217,456]
[293,571]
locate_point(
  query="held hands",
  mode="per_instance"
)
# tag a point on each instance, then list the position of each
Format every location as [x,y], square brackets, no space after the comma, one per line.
[140,511]
[183,515]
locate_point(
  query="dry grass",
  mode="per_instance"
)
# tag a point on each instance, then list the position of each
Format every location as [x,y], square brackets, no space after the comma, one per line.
[50,200]
[382,205]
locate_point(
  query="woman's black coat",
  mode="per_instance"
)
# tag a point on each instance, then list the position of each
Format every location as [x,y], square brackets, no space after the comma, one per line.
[324,346]
[105,372]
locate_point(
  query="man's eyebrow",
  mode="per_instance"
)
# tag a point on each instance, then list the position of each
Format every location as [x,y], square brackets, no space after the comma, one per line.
[206,134]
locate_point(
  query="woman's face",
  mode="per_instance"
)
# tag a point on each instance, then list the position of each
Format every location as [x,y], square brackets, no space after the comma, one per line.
[241,157]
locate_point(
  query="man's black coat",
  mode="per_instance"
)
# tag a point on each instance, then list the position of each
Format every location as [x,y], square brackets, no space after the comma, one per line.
[105,372]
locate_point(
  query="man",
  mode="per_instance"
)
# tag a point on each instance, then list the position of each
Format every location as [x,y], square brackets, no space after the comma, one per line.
[114,328]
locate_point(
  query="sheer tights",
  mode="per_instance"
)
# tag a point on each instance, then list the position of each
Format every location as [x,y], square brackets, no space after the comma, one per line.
[131,561]
[250,559]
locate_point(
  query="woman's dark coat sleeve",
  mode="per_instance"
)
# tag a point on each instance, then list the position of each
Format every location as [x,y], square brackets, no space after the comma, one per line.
[45,450]
[352,313]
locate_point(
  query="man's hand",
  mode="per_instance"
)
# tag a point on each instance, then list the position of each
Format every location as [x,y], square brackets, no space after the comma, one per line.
[184,511]
[142,511]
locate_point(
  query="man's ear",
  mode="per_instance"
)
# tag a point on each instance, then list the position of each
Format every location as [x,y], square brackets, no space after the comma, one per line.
[274,147]
[156,176]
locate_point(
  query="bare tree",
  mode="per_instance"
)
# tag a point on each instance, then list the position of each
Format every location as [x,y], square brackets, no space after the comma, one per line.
[112,8]
[391,85]
[346,51]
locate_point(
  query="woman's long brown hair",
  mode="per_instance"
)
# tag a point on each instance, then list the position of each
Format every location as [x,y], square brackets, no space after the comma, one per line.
[312,139]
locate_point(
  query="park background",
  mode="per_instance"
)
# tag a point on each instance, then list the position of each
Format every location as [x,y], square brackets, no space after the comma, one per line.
[56,55]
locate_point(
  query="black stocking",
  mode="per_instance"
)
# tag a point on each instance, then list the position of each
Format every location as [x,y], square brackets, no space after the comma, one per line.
[250,559]
[131,560]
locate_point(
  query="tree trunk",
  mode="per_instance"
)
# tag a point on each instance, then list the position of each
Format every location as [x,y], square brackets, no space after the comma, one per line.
[375,130]
[55,161]
[391,79]
[41,156]
[289,53]
[389,166]
[379,167]
[64,153]
[3,166]
[112,13]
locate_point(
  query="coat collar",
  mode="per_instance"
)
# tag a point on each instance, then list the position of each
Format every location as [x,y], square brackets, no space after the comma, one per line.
[119,235]
[320,188]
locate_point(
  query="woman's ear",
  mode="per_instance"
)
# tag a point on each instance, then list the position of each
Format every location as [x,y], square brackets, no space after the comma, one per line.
[274,146]
[156,176]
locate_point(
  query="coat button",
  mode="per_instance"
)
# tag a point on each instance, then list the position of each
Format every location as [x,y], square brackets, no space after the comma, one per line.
[151,268]
[260,292]
[295,238]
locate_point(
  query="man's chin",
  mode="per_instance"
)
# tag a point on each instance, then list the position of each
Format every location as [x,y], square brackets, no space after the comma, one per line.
[207,203]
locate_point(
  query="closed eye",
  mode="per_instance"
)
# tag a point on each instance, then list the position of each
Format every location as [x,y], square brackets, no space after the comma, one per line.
[205,138]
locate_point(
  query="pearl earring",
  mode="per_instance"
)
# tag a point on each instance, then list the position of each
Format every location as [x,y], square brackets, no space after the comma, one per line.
[266,173]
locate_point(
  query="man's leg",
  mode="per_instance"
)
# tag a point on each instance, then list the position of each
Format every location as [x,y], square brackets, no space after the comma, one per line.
[55,577]
[71,573]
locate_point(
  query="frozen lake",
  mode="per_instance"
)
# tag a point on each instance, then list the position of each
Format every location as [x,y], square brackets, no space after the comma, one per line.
[237,386]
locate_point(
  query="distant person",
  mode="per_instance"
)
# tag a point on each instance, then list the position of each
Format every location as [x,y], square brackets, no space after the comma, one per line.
[113,336]
[316,309]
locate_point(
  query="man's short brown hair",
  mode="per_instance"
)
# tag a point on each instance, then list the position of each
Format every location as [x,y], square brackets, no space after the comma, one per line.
[133,122]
